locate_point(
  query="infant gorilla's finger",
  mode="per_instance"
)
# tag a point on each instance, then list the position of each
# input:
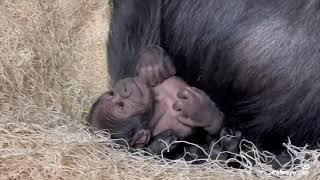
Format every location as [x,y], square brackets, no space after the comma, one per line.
[197,92]
[238,134]
[226,132]
[163,72]
[156,75]
[169,67]
[231,146]
[185,93]
[182,108]
[186,121]
[230,140]
[151,76]
[145,76]
[227,137]
[160,74]
[177,106]
[229,143]
[215,151]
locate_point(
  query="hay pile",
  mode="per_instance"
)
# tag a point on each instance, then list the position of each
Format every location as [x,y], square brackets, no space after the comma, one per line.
[51,69]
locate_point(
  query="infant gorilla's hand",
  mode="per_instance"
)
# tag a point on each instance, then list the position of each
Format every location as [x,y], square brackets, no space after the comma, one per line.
[197,110]
[154,65]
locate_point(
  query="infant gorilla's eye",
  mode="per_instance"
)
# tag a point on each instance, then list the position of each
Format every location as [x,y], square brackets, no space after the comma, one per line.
[109,93]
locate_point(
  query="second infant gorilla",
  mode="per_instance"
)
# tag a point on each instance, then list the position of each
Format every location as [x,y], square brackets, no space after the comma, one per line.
[136,112]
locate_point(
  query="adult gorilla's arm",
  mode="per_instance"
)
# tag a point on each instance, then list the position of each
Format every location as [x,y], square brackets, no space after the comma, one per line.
[135,24]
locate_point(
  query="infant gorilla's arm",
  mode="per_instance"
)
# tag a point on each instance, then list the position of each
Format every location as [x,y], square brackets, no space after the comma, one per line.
[154,65]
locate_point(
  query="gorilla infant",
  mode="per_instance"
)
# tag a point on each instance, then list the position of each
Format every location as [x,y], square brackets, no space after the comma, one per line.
[159,107]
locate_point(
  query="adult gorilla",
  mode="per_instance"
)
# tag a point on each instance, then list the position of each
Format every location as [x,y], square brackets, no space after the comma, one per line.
[258,60]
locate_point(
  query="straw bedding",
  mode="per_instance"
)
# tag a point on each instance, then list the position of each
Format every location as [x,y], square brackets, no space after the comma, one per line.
[52,68]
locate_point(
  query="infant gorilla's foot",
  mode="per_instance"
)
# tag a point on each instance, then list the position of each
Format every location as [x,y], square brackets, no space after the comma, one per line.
[154,65]
[227,147]
[230,140]
[216,151]
[162,141]
[197,110]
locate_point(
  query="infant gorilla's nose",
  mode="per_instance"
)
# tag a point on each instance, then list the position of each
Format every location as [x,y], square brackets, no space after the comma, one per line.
[125,91]
[124,87]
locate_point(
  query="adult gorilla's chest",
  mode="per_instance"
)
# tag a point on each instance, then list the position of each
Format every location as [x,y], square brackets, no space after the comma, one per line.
[190,30]
[240,54]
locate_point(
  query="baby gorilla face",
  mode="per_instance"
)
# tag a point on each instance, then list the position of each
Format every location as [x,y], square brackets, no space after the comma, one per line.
[124,111]
[130,97]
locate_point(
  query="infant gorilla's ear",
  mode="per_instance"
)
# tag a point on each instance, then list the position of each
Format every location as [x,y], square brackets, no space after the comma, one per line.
[154,65]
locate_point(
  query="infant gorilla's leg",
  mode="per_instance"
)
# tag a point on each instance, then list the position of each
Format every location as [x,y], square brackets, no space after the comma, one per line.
[230,140]
[161,142]
[208,146]
[198,110]
[220,150]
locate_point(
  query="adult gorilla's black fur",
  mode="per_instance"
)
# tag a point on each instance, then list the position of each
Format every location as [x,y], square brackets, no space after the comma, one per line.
[259,60]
